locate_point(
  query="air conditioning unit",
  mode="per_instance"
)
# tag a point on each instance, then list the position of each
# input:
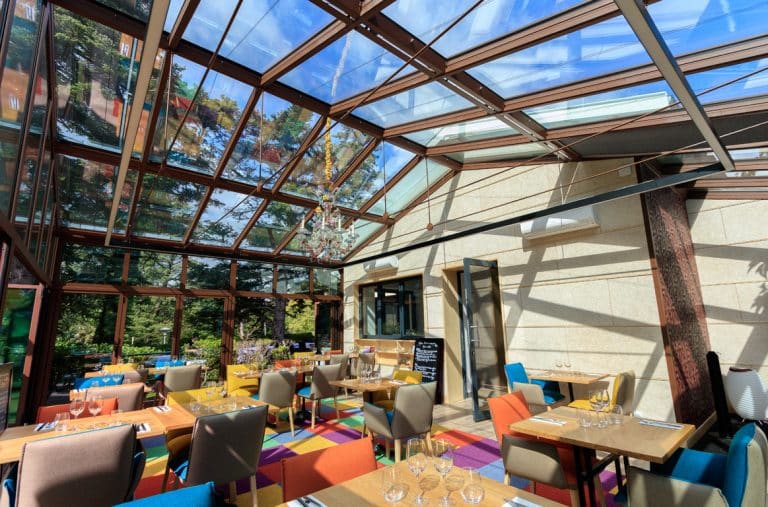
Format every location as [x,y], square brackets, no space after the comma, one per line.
[382,264]
[559,223]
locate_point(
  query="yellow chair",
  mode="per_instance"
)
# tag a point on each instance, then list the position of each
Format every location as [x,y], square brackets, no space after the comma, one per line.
[239,386]
[299,355]
[119,368]
[381,399]
[623,394]
[183,397]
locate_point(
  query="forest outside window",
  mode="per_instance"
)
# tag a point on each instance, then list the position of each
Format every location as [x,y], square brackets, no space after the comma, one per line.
[392,309]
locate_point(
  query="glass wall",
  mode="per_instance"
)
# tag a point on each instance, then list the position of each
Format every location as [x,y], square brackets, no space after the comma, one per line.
[392,309]
[148,328]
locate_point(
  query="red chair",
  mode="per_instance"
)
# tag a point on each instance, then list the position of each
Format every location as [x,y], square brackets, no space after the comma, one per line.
[48,414]
[291,363]
[307,473]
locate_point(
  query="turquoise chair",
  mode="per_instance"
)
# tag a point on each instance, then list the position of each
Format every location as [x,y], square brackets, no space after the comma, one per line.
[203,495]
[696,478]
[100,381]
[550,391]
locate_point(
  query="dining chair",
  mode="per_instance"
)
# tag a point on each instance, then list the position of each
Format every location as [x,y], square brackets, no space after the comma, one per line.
[135,376]
[277,389]
[411,416]
[202,495]
[747,393]
[97,468]
[703,479]
[224,448]
[341,359]
[119,368]
[517,380]
[48,413]
[364,359]
[182,378]
[291,363]
[101,380]
[622,394]
[306,473]
[381,398]
[537,460]
[239,383]
[320,389]
[129,396]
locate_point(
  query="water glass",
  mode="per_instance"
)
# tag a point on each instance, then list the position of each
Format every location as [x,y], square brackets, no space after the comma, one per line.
[427,482]
[443,458]
[617,415]
[453,482]
[76,407]
[61,421]
[393,488]
[416,458]
[585,418]
[473,492]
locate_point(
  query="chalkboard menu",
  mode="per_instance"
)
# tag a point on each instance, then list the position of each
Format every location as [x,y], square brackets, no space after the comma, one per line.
[428,359]
[6,374]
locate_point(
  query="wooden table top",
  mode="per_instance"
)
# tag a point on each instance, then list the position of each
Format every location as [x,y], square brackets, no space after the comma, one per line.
[570,377]
[179,416]
[632,438]
[259,373]
[366,387]
[366,490]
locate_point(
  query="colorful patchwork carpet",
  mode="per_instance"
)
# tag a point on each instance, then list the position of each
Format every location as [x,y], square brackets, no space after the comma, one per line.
[470,451]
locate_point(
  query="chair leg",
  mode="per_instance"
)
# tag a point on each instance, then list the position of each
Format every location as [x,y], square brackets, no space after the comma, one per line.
[362,431]
[165,477]
[386,447]
[574,497]
[398,449]
[336,406]
[254,496]
[290,420]
[429,442]
[599,491]
[506,478]
[233,492]
[313,414]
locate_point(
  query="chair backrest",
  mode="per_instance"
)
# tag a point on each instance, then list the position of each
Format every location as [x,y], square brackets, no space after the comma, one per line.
[624,391]
[48,414]
[321,375]
[505,410]
[747,394]
[170,363]
[413,409]
[202,495]
[277,388]
[745,470]
[341,359]
[313,471]
[134,376]
[129,396]
[119,368]
[364,358]
[100,381]
[409,376]
[183,378]
[95,468]
[515,373]
[533,460]
[226,447]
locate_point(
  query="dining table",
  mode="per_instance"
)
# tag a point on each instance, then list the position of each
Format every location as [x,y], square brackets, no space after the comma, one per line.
[369,386]
[149,422]
[633,437]
[568,377]
[366,490]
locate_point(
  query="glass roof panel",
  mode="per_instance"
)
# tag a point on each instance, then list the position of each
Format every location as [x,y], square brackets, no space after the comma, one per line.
[350,65]
[510,152]
[751,86]
[166,207]
[174,8]
[138,9]
[209,125]
[269,230]
[409,187]
[85,194]
[425,101]
[473,130]
[346,142]
[294,248]
[380,166]
[264,31]
[492,19]
[365,230]
[285,127]
[621,103]
[214,227]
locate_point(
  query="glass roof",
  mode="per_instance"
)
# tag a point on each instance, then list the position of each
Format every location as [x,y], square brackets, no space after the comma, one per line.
[214,165]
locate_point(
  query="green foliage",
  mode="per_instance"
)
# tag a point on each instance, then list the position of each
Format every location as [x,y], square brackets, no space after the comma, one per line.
[300,317]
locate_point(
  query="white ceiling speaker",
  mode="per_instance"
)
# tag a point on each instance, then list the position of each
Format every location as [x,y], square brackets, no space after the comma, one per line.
[383,264]
[577,219]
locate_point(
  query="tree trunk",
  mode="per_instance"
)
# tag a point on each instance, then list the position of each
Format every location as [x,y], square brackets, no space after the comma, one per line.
[279,323]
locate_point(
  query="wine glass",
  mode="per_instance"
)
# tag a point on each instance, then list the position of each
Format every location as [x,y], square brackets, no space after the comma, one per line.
[427,482]
[94,406]
[222,386]
[392,486]
[210,389]
[453,482]
[76,407]
[416,458]
[617,414]
[473,492]
[443,458]
[605,399]
[61,421]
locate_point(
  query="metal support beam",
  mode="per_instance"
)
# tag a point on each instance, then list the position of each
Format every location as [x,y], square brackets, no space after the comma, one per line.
[638,18]
[148,52]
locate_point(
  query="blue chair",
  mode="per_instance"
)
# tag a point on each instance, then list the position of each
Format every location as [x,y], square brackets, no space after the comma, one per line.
[170,363]
[536,392]
[698,478]
[203,495]
[101,381]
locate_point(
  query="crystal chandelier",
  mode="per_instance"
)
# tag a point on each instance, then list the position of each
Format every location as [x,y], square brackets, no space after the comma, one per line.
[327,241]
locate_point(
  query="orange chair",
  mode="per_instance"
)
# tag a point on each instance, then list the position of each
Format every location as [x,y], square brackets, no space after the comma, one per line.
[307,473]
[291,363]
[48,414]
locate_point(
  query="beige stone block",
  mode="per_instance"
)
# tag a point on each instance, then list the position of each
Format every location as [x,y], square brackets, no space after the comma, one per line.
[721,304]
[746,221]
[616,252]
[731,263]
[753,301]
[707,229]
[621,214]
[527,267]
[743,344]
[584,303]
[633,301]
[653,399]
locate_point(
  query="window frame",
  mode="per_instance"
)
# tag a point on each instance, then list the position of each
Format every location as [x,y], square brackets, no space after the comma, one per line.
[379,289]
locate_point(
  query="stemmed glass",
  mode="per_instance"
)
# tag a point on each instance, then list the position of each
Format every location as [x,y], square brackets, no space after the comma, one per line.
[427,482]
[416,457]
[94,407]
[392,486]
[473,492]
[453,482]
[443,458]
[76,407]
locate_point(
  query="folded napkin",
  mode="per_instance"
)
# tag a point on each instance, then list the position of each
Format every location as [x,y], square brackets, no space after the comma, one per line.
[548,420]
[162,409]
[398,382]
[141,427]
[519,502]
[306,501]
[45,426]
[661,424]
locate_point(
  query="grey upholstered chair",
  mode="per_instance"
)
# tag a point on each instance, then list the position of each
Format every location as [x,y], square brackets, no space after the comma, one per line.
[96,468]
[364,359]
[224,448]
[411,416]
[277,390]
[625,393]
[321,389]
[182,378]
[135,376]
[341,359]
[129,396]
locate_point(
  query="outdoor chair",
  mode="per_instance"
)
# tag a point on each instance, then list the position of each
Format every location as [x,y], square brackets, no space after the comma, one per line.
[47,414]
[277,389]
[181,378]
[623,394]
[534,393]
[129,396]
[320,389]
[202,495]
[381,399]
[363,359]
[100,381]
[410,417]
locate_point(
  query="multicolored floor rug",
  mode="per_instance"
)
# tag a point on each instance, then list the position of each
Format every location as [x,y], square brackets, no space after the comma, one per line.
[471,451]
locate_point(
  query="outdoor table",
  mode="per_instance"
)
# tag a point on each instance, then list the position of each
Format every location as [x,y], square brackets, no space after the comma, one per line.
[638,438]
[367,388]
[366,490]
[569,377]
